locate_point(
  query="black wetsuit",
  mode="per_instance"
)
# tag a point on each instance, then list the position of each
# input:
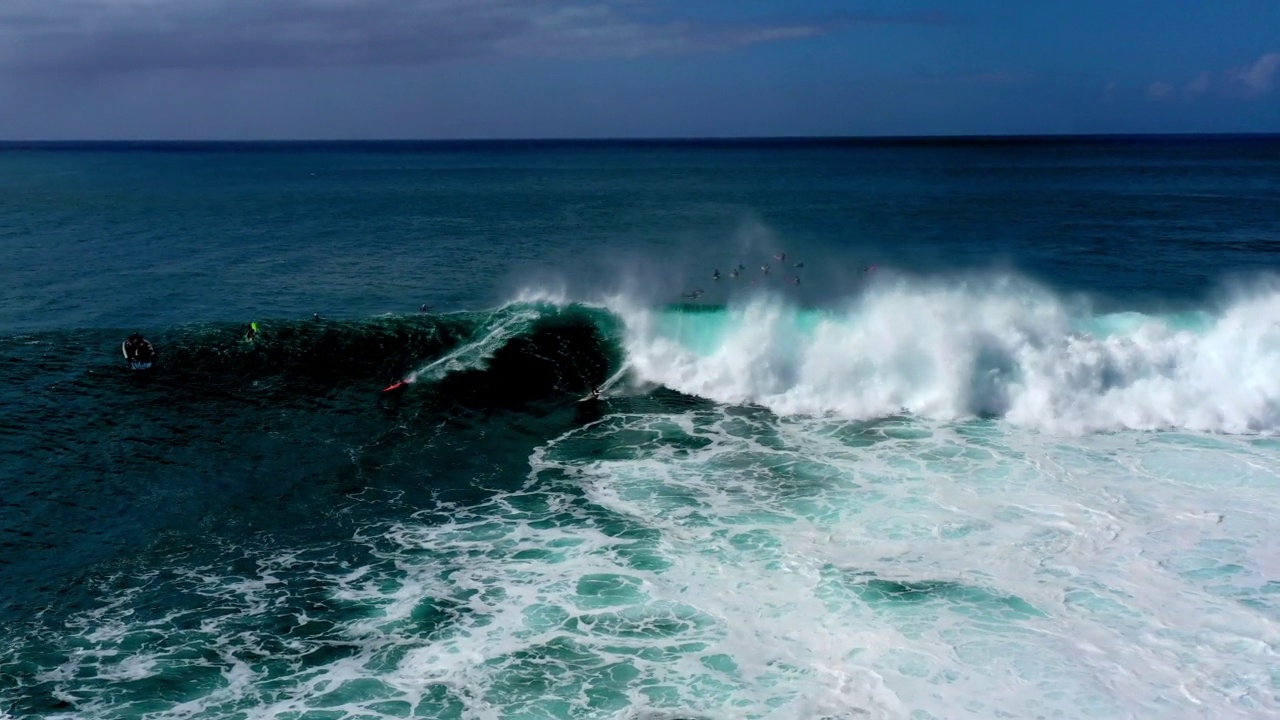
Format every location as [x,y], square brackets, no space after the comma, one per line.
[139,351]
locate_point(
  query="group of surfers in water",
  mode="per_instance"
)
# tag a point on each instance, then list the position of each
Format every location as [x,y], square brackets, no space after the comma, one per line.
[765,272]
[739,269]
[140,354]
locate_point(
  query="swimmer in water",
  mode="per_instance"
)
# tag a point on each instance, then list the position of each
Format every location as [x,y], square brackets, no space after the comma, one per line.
[139,352]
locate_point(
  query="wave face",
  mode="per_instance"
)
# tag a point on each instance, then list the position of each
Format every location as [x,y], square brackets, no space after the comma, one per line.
[995,347]
[514,354]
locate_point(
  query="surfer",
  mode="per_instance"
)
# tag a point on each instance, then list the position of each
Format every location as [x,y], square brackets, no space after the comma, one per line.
[252,333]
[693,295]
[591,397]
[716,275]
[138,352]
[399,384]
[425,308]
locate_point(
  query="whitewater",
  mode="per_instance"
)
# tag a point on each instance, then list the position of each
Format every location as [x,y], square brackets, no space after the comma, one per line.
[987,347]
[920,502]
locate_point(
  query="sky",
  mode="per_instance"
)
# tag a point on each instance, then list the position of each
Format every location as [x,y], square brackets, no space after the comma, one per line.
[467,69]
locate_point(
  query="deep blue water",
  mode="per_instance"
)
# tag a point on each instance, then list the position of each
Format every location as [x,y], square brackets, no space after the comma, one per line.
[1046,414]
[161,235]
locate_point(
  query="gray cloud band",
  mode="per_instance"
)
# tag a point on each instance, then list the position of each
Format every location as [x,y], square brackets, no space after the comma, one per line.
[113,36]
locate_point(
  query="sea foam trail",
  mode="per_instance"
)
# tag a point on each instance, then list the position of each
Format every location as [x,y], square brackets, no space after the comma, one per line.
[476,352]
[1000,348]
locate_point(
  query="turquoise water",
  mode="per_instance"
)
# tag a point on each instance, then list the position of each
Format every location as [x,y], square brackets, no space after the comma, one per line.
[1024,467]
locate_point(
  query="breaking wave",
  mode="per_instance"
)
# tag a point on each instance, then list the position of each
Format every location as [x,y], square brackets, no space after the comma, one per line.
[989,348]
[1001,348]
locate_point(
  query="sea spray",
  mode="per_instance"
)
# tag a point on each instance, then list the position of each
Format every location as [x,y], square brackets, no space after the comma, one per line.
[950,351]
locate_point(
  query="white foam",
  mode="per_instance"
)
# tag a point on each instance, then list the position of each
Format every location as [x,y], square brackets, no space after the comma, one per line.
[732,564]
[1103,625]
[975,348]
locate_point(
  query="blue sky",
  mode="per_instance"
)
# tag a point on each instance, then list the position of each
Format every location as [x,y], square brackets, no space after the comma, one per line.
[381,69]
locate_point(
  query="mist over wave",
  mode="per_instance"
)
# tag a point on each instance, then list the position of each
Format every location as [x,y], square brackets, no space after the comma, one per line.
[989,346]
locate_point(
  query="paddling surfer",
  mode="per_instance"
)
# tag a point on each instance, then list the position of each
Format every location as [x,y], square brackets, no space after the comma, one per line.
[139,352]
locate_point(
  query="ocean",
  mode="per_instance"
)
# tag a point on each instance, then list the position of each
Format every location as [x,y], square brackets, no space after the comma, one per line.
[964,428]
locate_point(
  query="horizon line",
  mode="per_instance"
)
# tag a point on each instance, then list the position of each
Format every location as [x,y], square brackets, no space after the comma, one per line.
[654,139]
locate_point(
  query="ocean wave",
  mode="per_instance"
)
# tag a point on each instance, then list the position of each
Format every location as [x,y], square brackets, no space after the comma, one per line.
[992,347]
[520,352]
[985,347]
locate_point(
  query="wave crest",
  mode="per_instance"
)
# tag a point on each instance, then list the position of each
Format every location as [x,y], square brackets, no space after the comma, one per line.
[1001,348]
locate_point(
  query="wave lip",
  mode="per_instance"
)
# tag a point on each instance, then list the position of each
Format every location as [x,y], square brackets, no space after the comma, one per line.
[1000,348]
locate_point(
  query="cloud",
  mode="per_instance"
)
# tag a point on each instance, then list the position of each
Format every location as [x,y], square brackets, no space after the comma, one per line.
[1198,86]
[1249,81]
[1159,90]
[1256,79]
[113,36]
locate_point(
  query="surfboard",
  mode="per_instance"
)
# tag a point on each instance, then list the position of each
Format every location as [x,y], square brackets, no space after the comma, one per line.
[397,386]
